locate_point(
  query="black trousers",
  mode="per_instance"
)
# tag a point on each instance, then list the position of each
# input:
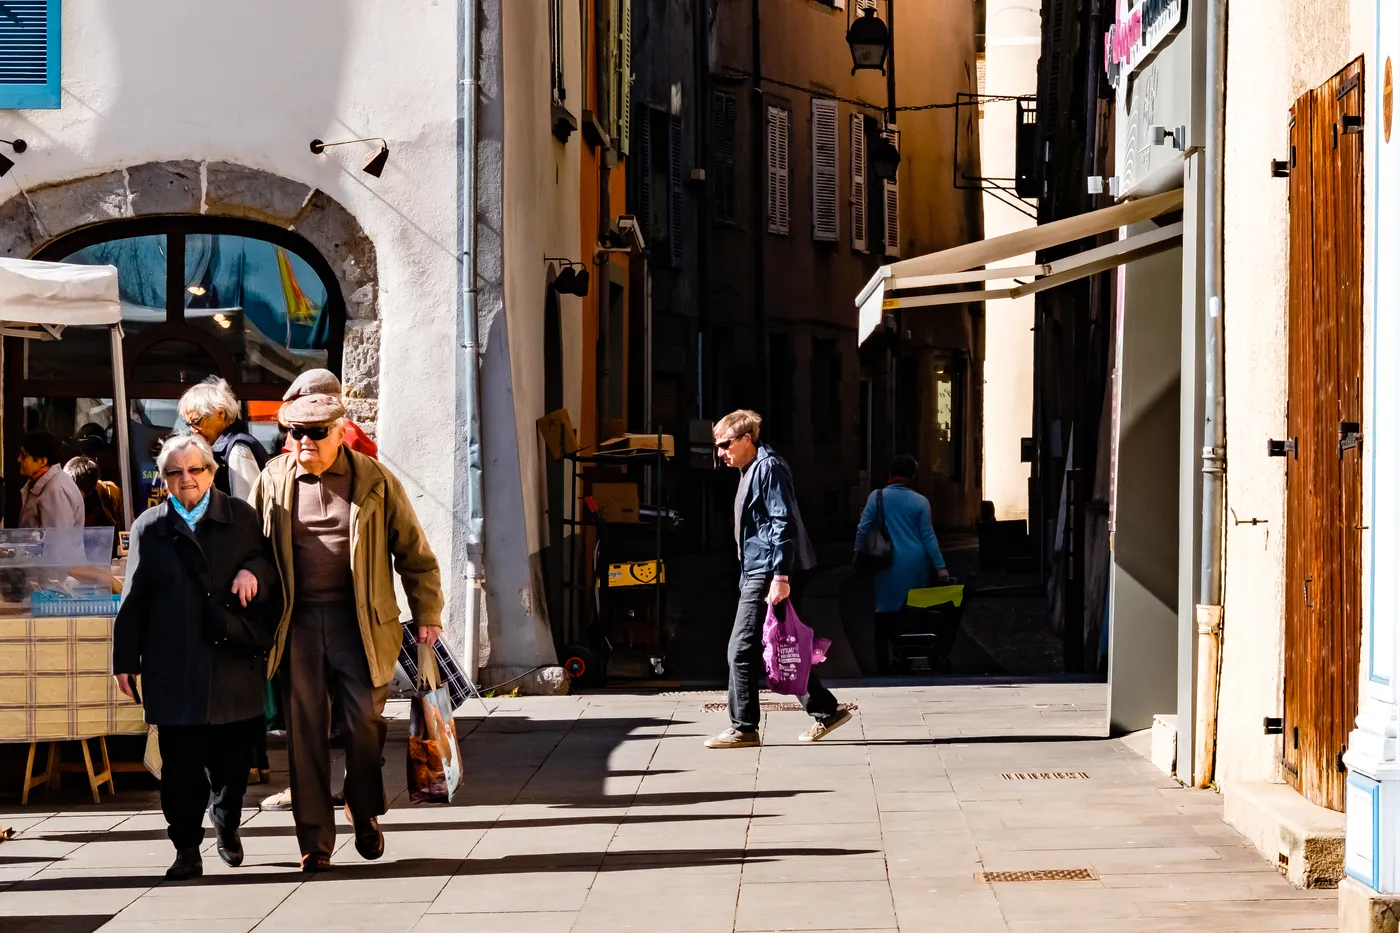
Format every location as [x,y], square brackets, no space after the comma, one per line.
[747,674]
[204,768]
[324,668]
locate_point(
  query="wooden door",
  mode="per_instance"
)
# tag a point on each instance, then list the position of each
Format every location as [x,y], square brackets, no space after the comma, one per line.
[1322,629]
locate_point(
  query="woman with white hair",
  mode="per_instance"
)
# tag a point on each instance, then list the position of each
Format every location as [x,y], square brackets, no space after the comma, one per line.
[212,411]
[197,620]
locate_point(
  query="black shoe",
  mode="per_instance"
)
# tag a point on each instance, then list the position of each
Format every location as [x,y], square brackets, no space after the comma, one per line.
[369,839]
[188,865]
[230,846]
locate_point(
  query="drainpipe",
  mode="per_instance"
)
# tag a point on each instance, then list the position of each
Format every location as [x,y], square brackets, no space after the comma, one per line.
[471,369]
[1208,608]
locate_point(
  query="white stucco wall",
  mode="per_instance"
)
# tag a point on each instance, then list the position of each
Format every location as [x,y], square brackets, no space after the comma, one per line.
[1276,53]
[1013,52]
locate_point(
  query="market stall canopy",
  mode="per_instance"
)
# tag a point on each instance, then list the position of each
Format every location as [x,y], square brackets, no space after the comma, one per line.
[940,278]
[39,299]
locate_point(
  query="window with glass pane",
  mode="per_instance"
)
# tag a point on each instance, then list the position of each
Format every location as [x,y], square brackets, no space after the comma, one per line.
[265,304]
[86,352]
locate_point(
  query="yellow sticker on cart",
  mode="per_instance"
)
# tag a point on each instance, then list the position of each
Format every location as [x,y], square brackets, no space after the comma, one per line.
[636,573]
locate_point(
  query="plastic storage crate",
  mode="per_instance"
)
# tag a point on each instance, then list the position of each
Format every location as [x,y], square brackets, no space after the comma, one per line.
[46,604]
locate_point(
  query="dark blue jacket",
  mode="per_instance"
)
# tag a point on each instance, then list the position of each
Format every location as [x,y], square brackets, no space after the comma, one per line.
[768,524]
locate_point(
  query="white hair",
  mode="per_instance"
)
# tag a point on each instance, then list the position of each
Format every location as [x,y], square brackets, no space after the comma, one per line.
[178,442]
[212,396]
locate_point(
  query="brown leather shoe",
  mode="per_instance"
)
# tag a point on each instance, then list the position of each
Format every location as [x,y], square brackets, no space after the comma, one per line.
[315,863]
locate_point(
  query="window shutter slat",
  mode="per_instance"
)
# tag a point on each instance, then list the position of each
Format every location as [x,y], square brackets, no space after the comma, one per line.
[723,115]
[859,229]
[624,77]
[891,191]
[826,159]
[30,54]
[674,215]
[779,211]
[610,65]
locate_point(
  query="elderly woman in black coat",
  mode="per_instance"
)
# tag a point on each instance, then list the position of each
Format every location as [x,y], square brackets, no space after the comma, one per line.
[196,622]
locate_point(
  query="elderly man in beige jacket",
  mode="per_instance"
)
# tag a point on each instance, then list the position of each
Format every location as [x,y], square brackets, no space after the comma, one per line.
[340,525]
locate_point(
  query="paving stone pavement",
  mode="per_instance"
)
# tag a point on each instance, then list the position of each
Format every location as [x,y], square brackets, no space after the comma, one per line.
[604,812]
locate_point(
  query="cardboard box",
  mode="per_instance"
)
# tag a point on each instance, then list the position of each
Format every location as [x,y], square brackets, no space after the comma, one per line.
[618,502]
[627,443]
[557,431]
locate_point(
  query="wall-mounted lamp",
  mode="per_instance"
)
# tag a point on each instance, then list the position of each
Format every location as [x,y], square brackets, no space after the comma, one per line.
[18,145]
[572,279]
[376,163]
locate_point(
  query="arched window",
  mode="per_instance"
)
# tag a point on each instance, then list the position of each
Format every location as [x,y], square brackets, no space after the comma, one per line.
[201,296]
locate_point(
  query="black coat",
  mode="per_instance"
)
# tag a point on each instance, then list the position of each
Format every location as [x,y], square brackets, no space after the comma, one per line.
[162,630]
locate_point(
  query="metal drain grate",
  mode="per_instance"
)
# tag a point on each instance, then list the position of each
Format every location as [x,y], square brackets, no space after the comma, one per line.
[1046,776]
[771,706]
[1044,874]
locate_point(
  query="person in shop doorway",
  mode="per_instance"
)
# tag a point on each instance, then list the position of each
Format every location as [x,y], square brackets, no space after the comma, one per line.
[102,499]
[50,498]
[196,622]
[774,553]
[909,522]
[212,411]
[338,640]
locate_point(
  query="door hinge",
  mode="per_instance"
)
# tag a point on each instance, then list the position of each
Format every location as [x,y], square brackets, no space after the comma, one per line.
[1348,436]
[1351,125]
[1273,725]
[1284,448]
[1278,168]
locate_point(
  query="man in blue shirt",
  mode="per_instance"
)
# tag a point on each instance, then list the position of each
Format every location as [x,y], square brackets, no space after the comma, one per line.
[909,523]
[772,547]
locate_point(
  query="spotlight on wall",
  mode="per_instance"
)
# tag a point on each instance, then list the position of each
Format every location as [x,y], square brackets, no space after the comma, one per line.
[573,279]
[373,166]
[18,145]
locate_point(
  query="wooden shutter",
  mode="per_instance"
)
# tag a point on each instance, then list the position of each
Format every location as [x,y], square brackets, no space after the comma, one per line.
[779,137]
[609,66]
[675,194]
[826,160]
[723,116]
[624,77]
[639,173]
[30,54]
[891,194]
[860,233]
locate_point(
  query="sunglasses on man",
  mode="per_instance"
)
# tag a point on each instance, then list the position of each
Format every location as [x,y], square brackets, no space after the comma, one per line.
[724,444]
[316,433]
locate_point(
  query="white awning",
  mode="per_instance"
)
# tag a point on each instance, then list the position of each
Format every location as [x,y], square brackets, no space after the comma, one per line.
[57,294]
[968,263]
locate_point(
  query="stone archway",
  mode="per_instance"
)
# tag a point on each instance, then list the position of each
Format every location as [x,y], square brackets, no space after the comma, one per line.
[35,217]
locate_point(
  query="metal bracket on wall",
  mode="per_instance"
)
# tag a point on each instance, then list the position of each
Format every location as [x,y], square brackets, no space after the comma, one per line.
[1273,725]
[1351,125]
[1278,168]
[1284,448]
[1348,437]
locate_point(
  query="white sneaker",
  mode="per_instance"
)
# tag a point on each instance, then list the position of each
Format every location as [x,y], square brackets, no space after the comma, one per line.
[821,730]
[282,801]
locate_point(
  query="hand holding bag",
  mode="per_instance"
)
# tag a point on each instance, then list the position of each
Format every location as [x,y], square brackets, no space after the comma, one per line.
[434,754]
[790,648]
[876,549]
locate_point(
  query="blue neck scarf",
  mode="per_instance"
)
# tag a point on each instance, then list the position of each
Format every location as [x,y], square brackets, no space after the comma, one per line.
[191,516]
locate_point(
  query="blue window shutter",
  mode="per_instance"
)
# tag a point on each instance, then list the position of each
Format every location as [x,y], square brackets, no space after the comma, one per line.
[31,52]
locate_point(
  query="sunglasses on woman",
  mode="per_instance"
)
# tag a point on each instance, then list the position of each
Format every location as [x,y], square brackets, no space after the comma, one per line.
[192,471]
[315,433]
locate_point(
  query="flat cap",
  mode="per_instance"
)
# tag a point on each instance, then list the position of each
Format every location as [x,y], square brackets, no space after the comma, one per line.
[314,398]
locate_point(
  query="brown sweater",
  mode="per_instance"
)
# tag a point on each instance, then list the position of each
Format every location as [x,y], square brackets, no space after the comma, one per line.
[321,535]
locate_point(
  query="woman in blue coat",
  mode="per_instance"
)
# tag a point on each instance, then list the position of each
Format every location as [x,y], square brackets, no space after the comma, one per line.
[909,523]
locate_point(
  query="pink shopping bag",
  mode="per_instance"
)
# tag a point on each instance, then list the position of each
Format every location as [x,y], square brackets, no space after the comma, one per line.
[790,648]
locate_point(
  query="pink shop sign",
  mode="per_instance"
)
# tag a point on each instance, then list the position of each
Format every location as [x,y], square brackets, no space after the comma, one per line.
[1138,32]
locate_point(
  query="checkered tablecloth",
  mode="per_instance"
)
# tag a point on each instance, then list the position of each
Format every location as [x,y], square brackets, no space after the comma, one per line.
[56,681]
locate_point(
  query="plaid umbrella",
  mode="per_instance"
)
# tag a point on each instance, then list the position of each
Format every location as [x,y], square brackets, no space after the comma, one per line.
[458,687]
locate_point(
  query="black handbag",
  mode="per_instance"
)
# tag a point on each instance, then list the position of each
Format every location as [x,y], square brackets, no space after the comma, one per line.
[876,550]
[242,629]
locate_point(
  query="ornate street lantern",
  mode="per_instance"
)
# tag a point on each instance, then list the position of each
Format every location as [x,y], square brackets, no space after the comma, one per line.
[869,39]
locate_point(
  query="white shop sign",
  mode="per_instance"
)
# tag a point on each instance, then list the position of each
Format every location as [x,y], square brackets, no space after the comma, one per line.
[1138,33]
